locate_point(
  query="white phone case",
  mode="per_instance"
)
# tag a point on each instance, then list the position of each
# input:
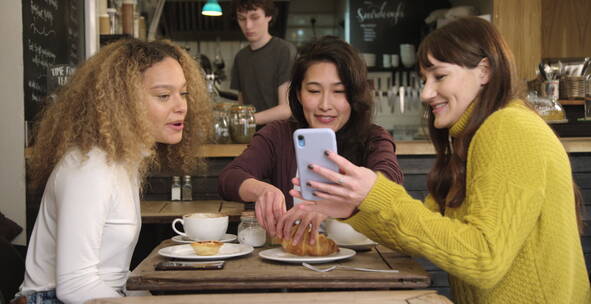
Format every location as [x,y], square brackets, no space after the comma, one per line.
[309,145]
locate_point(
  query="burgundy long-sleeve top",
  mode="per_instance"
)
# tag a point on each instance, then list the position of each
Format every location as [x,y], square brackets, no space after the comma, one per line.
[270,157]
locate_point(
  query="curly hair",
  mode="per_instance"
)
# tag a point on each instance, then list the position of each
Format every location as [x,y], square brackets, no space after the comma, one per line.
[102,107]
[352,137]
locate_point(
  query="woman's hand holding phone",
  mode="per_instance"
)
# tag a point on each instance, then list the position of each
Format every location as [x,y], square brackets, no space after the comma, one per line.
[343,196]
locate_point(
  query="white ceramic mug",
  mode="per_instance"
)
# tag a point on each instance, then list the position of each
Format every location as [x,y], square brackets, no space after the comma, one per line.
[343,233]
[395,60]
[370,59]
[202,226]
[407,55]
[386,60]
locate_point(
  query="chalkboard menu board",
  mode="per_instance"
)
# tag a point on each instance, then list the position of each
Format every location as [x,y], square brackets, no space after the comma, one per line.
[53,36]
[380,26]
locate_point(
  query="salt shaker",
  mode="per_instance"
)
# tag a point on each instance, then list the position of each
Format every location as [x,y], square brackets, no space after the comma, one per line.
[175,190]
[249,230]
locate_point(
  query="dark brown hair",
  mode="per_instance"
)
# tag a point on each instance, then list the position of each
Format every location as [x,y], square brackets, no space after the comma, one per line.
[250,5]
[352,137]
[465,42]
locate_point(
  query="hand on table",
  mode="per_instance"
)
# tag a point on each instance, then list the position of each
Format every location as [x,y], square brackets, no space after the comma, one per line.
[341,199]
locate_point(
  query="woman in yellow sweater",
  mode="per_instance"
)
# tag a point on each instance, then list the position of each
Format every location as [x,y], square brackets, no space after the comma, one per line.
[501,216]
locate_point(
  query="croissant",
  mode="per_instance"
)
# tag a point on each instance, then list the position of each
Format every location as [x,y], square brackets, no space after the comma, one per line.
[323,245]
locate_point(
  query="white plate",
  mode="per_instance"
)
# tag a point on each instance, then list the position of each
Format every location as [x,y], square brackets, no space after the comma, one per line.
[277,254]
[227,238]
[365,245]
[187,252]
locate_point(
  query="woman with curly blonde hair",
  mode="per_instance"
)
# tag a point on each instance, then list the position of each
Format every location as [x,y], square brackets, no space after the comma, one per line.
[131,106]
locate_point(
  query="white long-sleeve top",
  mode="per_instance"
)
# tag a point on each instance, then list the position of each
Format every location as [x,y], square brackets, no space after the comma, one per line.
[87,227]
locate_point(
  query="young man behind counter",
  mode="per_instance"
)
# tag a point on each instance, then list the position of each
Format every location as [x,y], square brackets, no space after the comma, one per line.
[262,69]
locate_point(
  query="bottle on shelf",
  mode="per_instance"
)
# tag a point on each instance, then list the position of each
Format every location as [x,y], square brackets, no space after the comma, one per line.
[242,123]
[113,21]
[127,16]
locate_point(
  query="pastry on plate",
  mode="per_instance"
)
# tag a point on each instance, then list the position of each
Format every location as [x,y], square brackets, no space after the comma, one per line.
[206,247]
[323,245]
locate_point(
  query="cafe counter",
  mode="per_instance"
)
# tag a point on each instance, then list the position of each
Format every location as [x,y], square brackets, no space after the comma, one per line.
[414,147]
[403,147]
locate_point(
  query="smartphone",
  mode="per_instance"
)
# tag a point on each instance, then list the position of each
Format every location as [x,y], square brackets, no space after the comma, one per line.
[310,145]
[186,265]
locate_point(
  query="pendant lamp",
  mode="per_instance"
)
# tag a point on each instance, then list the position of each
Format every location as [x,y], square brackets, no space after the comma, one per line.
[212,8]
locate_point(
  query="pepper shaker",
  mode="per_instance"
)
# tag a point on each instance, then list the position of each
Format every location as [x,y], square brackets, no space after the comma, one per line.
[187,189]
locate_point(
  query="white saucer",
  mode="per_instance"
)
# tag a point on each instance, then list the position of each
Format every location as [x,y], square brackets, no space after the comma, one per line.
[277,254]
[186,252]
[364,245]
[227,238]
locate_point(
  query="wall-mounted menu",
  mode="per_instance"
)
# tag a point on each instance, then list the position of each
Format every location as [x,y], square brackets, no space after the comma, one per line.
[380,26]
[53,35]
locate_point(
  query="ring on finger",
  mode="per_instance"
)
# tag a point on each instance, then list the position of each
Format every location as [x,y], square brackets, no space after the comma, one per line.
[341,180]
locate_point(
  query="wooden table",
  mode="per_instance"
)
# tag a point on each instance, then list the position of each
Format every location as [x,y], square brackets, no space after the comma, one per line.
[158,212]
[254,273]
[333,297]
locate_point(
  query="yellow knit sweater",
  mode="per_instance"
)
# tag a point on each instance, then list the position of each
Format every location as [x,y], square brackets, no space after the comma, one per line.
[515,238]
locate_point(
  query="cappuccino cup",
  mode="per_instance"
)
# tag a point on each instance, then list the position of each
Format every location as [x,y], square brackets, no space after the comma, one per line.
[343,233]
[202,226]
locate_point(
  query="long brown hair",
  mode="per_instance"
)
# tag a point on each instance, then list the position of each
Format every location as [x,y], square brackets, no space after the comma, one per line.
[352,137]
[102,107]
[465,42]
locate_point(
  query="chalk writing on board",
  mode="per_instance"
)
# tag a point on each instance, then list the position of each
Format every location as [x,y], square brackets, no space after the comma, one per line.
[42,31]
[53,34]
[374,16]
[52,3]
[58,76]
[381,12]
[34,85]
[380,26]
[37,91]
[41,56]
[41,14]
